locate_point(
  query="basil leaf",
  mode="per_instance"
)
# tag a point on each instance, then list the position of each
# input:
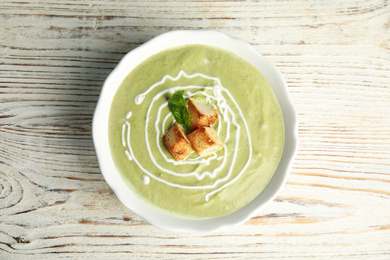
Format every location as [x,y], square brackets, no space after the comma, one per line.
[177,115]
[186,118]
[179,109]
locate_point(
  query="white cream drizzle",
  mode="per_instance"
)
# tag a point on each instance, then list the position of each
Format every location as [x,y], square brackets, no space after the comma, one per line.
[145,179]
[228,118]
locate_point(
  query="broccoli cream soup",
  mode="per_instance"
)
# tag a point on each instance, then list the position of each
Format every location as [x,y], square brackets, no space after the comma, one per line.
[250,124]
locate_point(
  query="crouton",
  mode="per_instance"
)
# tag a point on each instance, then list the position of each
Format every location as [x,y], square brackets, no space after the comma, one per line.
[205,141]
[202,115]
[177,142]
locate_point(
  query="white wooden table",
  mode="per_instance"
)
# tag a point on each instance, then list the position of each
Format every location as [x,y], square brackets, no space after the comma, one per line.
[54,57]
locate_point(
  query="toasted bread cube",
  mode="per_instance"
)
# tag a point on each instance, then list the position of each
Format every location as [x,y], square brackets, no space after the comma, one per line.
[177,142]
[202,115]
[205,141]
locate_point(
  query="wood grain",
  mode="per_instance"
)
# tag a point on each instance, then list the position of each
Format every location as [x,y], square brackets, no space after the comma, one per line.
[54,57]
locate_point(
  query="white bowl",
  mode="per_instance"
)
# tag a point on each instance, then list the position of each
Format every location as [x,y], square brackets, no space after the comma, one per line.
[100,130]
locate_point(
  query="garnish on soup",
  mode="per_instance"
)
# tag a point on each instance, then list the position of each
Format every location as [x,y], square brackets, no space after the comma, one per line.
[197,117]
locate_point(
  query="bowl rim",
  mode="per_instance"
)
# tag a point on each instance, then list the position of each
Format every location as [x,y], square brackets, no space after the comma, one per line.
[135,57]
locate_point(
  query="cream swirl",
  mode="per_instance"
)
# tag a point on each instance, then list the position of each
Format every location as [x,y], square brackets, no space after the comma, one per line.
[231,123]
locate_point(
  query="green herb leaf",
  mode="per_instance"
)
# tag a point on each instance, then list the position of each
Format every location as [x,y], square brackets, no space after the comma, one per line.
[179,109]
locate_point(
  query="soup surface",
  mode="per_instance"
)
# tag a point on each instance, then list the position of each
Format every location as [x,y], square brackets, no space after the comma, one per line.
[250,123]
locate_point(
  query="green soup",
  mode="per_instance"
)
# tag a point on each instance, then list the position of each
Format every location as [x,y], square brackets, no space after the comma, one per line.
[250,123]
